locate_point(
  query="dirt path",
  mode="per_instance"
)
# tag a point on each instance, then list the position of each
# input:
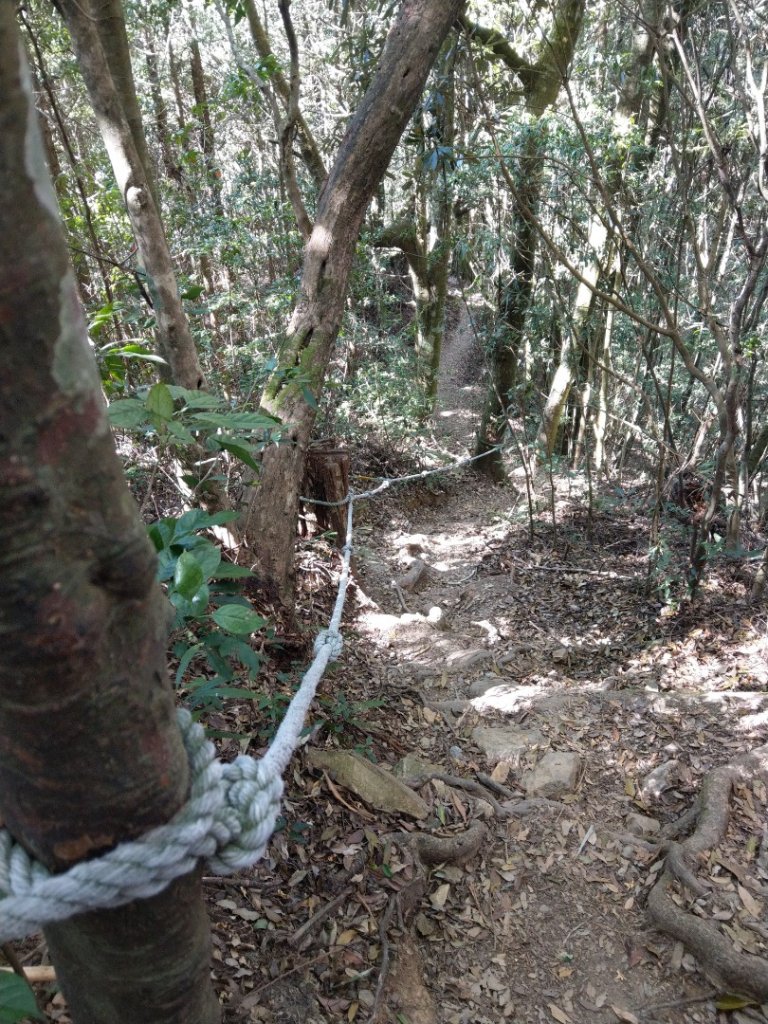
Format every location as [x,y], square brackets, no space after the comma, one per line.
[510,649]
[492,651]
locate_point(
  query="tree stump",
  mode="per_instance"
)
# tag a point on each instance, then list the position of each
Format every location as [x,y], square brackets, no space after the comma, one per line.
[326,478]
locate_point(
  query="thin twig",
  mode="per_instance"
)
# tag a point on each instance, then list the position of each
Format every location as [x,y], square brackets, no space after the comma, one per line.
[321,915]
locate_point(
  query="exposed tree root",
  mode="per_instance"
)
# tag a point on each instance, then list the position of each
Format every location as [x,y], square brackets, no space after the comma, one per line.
[737,971]
[456,849]
[429,850]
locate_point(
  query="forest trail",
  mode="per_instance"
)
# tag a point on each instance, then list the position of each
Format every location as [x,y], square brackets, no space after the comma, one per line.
[510,649]
[494,653]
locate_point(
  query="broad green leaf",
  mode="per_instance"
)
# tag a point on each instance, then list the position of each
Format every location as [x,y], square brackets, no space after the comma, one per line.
[159,401]
[238,450]
[166,565]
[194,607]
[193,292]
[161,533]
[179,431]
[208,557]
[17,1001]
[227,571]
[235,420]
[127,413]
[236,619]
[195,399]
[188,576]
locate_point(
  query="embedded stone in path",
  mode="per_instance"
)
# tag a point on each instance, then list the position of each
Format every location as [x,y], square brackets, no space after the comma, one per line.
[555,775]
[370,782]
[505,743]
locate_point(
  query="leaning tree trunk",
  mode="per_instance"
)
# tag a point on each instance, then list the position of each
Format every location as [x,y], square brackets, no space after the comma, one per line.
[90,752]
[293,390]
[135,183]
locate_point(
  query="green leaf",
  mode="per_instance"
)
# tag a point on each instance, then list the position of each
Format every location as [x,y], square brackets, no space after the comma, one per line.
[188,576]
[166,565]
[208,557]
[17,1001]
[196,519]
[235,420]
[193,292]
[127,413]
[194,607]
[227,571]
[236,619]
[138,352]
[194,399]
[238,450]
[730,1001]
[235,691]
[186,658]
[159,401]
[309,398]
[180,432]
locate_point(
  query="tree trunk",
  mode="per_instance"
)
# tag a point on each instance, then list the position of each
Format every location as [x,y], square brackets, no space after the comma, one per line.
[109,20]
[631,93]
[310,153]
[203,112]
[514,302]
[293,389]
[135,183]
[74,163]
[90,752]
[541,84]
[160,109]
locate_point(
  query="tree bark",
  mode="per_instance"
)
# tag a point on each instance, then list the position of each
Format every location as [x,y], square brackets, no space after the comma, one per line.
[293,389]
[110,25]
[203,112]
[135,183]
[90,752]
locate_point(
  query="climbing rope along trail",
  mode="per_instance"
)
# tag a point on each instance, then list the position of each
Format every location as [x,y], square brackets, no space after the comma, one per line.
[227,821]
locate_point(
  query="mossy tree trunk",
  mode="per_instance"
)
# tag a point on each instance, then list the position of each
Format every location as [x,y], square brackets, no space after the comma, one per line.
[294,388]
[90,752]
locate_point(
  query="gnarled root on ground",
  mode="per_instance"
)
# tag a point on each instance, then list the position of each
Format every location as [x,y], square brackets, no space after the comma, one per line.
[736,971]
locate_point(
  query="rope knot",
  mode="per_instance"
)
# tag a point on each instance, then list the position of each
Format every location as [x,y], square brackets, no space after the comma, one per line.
[329,638]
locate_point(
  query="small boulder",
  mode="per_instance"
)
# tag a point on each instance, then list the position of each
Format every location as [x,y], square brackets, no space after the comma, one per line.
[555,775]
[505,743]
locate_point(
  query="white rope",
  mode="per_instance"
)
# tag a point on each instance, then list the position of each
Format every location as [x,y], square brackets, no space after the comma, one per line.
[389,481]
[227,821]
